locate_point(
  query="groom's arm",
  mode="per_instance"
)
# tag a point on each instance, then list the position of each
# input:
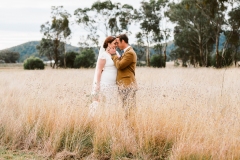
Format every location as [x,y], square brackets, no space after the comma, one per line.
[124,61]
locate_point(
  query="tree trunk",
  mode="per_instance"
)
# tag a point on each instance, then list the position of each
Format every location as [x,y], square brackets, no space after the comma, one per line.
[201,62]
[65,66]
[148,54]
[235,56]
[50,58]
[206,60]
[165,55]
[217,53]
[56,53]
[160,56]
[194,61]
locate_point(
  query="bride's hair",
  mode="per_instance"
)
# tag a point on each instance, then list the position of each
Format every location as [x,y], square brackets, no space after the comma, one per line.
[109,39]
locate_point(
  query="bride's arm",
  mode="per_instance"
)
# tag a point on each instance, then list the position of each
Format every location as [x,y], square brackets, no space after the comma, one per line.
[99,69]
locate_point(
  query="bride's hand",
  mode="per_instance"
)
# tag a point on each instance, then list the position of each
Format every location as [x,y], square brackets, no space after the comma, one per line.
[95,94]
[97,87]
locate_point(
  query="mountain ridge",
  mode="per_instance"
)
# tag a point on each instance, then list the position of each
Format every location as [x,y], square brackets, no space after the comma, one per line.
[29,49]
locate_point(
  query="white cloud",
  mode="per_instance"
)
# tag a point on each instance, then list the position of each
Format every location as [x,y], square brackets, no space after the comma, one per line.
[12,38]
[20,21]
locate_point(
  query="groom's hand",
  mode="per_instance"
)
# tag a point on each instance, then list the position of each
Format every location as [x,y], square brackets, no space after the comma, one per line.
[115,57]
[111,50]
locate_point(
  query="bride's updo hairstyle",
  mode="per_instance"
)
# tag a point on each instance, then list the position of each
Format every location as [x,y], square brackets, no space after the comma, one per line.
[109,39]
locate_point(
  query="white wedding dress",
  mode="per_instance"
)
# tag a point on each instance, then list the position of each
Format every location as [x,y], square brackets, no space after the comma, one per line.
[109,73]
[108,87]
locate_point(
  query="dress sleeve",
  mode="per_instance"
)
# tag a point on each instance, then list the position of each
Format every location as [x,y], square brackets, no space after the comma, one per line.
[103,55]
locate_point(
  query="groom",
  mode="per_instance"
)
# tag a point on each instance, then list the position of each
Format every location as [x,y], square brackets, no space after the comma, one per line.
[126,65]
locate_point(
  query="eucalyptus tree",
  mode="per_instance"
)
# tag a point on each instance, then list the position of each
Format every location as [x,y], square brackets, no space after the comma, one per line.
[85,19]
[58,31]
[125,16]
[46,48]
[140,47]
[162,33]
[149,16]
[105,18]
[186,49]
[165,34]
[190,19]
[234,40]
[214,11]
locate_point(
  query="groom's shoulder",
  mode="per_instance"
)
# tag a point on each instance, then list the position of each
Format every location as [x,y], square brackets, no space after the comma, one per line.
[131,53]
[130,49]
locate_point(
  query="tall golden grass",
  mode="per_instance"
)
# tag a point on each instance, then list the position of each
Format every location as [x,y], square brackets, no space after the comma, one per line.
[181,114]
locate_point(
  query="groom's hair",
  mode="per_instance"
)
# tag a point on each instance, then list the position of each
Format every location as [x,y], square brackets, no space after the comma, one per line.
[123,37]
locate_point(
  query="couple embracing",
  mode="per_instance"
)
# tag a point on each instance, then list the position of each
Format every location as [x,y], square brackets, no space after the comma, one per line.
[115,75]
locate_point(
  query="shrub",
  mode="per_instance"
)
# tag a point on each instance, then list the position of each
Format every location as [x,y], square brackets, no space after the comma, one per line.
[33,63]
[86,59]
[157,60]
[70,57]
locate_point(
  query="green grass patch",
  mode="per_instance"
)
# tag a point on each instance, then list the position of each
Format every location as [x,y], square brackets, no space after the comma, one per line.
[6,154]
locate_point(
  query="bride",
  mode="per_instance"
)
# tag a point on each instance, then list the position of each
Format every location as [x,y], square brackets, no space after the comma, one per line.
[104,83]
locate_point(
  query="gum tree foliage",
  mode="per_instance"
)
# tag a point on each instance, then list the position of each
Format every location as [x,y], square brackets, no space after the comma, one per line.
[192,31]
[139,48]
[214,11]
[70,58]
[234,40]
[58,31]
[86,59]
[88,24]
[103,17]
[149,17]
[186,49]
[46,48]
[208,19]
[157,60]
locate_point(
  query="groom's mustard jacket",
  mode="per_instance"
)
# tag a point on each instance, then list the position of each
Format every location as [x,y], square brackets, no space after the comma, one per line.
[126,66]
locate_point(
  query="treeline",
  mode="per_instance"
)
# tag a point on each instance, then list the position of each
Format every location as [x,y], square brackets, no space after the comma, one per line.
[29,49]
[86,59]
[198,30]
[199,24]
[26,50]
[7,56]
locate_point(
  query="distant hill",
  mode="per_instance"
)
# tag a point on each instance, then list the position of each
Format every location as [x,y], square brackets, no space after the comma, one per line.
[29,48]
[170,47]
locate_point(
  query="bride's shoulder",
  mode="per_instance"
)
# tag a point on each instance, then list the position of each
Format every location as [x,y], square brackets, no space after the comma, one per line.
[104,54]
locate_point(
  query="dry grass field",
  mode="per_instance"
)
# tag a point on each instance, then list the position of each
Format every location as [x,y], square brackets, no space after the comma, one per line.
[182,113]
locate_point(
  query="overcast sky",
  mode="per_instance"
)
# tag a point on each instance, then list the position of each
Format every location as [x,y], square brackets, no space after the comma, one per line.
[20,20]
